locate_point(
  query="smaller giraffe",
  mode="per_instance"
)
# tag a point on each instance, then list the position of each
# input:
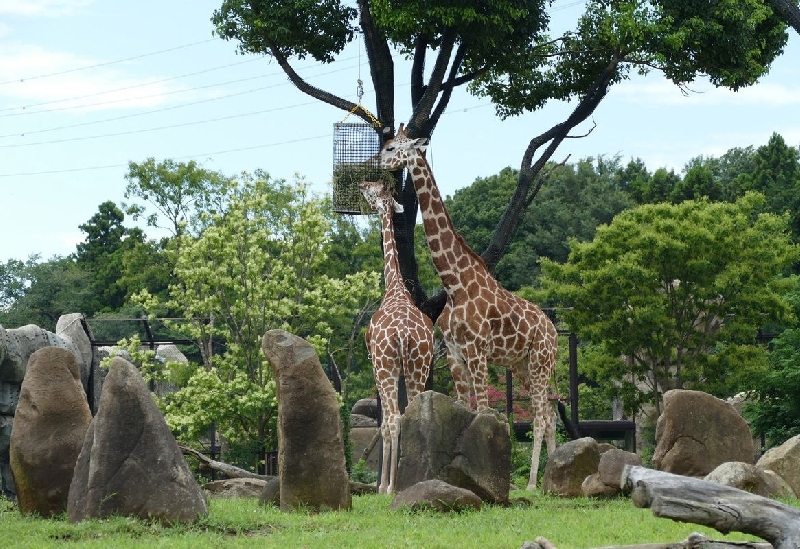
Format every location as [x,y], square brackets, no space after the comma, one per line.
[399,337]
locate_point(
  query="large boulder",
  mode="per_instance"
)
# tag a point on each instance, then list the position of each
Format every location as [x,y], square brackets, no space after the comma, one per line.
[311,461]
[696,432]
[606,482]
[568,467]
[49,427]
[72,328]
[435,495]
[130,464]
[750,478]
[441,439]
[785,461]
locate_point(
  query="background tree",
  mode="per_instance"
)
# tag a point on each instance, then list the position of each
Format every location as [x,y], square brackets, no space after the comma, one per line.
[675,294]
[579,197]
[40,292]
[100,254]
[177,191]
[257,265]
[774,410]
[501,50]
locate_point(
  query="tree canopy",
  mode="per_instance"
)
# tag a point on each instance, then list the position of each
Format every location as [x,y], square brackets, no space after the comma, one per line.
[674,294]
[503,50]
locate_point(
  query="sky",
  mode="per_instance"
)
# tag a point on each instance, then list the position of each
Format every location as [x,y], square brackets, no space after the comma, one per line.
[87,86]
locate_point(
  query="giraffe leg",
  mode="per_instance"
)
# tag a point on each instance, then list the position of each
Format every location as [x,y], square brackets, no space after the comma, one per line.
[461,379]
[538,432]
[394,429]
[480,378]
[386,435]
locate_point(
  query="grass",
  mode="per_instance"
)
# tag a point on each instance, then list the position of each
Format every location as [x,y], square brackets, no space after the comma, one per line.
[568,523]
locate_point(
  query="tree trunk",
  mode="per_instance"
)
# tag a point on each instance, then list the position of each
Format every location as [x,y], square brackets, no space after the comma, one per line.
[723,508]
[789,11]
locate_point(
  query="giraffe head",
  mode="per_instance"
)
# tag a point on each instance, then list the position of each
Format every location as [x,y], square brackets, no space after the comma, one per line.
[379,197]
[398,151]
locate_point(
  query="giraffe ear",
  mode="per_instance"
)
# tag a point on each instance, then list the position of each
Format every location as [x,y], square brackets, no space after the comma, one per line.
[421,143]
[398,208]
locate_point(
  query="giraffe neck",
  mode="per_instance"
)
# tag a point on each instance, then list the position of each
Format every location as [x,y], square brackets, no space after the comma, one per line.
[391,265]
[450,254]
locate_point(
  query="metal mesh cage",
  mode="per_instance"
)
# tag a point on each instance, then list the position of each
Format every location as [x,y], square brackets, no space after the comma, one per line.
[355,149]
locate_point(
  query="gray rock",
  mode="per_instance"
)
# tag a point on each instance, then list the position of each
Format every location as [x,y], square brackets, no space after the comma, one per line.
[696,432]
[785,461]
[750,478]
[49,427]
[366,407]
[441,439]
[569,466]
[311,462]
[593,487]
[271,494]
[130,464]
[235,488]
[70,328]
[612,462]
[437,495]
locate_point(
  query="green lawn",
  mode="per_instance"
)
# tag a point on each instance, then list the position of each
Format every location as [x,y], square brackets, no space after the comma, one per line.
[568,523]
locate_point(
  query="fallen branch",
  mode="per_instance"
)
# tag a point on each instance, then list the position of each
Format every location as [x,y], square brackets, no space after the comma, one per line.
[231,471]
[723,508]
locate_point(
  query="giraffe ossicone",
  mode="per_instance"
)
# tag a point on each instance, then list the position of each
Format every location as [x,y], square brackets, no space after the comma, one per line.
[482,323]
[399,337]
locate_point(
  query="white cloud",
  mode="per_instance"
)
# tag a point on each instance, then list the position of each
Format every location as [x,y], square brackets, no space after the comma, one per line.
[662,92]
[48,8]
[39,79]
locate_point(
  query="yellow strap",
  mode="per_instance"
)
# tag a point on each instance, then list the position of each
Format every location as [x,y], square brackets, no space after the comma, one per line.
[375,121]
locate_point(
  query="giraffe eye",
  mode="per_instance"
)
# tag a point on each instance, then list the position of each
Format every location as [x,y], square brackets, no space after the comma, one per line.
[389,149]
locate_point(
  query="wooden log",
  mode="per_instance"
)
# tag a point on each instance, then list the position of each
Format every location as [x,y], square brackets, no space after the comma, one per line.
[723,508]
[231,471]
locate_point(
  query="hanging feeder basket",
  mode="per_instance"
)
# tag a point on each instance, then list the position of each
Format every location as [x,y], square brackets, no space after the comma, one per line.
[355,149]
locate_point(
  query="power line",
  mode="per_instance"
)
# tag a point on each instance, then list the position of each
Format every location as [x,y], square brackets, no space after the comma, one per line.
[193,156]
[163,109]
[105,64]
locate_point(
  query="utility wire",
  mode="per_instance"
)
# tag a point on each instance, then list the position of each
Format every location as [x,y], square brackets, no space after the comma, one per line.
[105,64]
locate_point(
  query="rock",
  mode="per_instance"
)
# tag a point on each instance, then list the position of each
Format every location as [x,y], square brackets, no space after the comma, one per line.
[696,432]
[357,420]
[49,427]
[18,344]
[785,461]
[593,487]
[362,437]
[311,462]
[361,489]
[271,494]
[367,407]
[235,488]
[750,478]
[612,462]
[441,439]
[569,466]
[437,495]
[70,328]
[130,464]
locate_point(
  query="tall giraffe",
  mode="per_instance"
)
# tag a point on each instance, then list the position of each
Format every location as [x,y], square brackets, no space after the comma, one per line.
[399,336]
[482,323]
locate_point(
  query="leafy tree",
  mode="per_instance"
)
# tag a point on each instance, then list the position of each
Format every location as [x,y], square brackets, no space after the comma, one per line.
[776,174]
[580,197]
[40,292]
[675,294]
[101,255]
[176,190]
[257,265]
[775,410]
[502,50]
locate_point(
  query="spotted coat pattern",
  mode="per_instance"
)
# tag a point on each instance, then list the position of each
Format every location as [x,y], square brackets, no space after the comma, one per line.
[482,323]
[399,337]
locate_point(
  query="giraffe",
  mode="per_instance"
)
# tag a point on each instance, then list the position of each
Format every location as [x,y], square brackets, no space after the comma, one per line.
[481,322]
[399,337]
